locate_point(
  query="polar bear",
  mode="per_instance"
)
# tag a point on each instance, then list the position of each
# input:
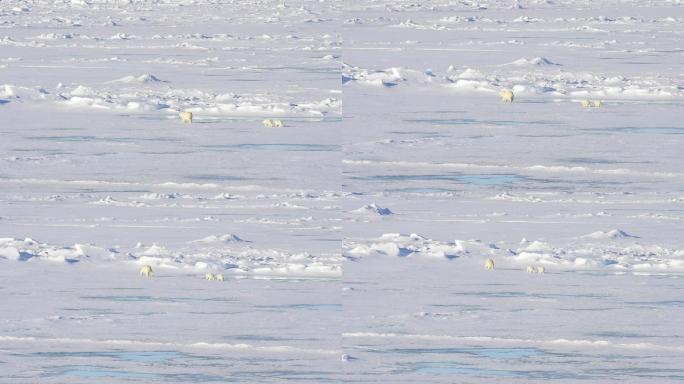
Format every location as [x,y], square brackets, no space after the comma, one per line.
[489,264]
[541,270]
[531,269]
[186,117]
[146,271]
[586,103]
[597,103]
[278,123]
[506,96]
[209,276]
[267,123]
[219,277]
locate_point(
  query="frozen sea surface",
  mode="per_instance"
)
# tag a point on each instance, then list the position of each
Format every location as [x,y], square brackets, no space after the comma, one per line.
[592,195]
[422,177]
[98,176]
[103,325]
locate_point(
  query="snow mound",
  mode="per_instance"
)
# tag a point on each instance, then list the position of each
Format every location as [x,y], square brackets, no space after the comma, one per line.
[227,238]
[470,73]
[374,209]
[613,234]
[535,61]
[29,250]
[389,77]
[414,245]
[145,78]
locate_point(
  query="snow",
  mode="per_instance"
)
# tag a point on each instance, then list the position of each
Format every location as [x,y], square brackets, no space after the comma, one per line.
[353,239]
[595,194]
[98,177]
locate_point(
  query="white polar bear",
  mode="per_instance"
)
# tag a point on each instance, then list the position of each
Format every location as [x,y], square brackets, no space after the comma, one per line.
[186,117]
[597,103]
[219,277]
[267,123]
[489,264]
[278,123]
[506,96]
[531,269]
[586,103]
[146,271]
[541,270]
[210,276]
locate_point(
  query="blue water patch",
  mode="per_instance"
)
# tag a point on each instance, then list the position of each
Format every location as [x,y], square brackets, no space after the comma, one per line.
[494,353]
[460,178]
[305,307]
[661,303]
[590,160]
[143,298]
[208,177]
[508,294]
[458,369]
[317,70]
[266,338]
[293,147]
[494,294]
[466,121]
[424,134]
[618,334]
[136,356]
[640,372]
[444,121]
[88,138]
[97,371]
[640,130]
[420,190]
[79,138]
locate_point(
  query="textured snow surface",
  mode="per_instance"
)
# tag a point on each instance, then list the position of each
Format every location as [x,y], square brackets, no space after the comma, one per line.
[592,195]
[352,239]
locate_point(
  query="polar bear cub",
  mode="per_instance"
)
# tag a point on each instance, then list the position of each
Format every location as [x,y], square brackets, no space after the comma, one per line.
[209,276]
[219,277]
[267,123]
[146,271]
[506,96]
[278,123]
[541,270]
[489,264]
[531,269]
[597,103]
[586,103]
[186,117]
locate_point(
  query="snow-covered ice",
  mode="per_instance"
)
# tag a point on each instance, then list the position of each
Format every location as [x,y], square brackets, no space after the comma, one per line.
[98,177]
[352,239]
[593,195]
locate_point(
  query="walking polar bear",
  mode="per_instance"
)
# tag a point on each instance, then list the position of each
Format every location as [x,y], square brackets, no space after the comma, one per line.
[146,271]
[213,277]
[272,123]
[533,269]
[489,264]
[591,103]
[186,117]
[506,96]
